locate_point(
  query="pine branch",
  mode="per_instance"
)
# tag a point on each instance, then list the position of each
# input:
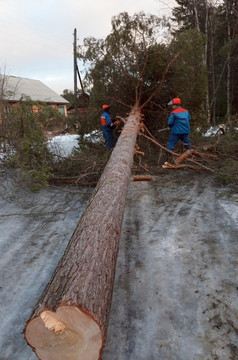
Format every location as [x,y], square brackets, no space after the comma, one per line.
[161,82]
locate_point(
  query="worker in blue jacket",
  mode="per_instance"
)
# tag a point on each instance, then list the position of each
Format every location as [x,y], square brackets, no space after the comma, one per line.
[179,123]
[107,127]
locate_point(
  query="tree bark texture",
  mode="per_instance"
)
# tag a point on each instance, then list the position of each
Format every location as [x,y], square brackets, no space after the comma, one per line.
[71,318]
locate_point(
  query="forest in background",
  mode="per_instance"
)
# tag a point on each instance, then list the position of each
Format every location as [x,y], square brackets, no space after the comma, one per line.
[149,60]
[192,55]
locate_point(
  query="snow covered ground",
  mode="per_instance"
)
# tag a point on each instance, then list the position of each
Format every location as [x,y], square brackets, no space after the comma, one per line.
[176,289]
[176,285]
[35,229]
[214,130]
[63,144]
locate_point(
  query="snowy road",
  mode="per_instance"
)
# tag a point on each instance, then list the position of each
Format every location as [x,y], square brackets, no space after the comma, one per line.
[176,286]
[176,289]
[35,229]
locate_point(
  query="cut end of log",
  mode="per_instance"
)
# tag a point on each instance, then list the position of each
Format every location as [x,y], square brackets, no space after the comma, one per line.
[167,165]
[142,178]
[67,334]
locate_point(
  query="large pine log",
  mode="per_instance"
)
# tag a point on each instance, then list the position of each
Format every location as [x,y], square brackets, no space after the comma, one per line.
[71,318]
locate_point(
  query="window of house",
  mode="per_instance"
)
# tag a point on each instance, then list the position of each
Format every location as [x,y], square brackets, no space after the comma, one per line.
[61,109]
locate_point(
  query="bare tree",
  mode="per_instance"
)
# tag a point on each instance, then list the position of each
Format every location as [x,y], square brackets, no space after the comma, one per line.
[6,93]
[196,15]
[208,109]
[228,6]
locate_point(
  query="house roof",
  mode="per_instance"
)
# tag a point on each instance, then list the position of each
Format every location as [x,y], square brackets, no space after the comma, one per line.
[16,87]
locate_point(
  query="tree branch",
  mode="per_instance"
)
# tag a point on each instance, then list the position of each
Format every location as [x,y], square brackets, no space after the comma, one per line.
[161,82]
[158,144]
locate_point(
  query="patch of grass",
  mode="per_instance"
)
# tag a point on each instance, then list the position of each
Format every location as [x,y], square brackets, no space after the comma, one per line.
[227,173]
[227,169]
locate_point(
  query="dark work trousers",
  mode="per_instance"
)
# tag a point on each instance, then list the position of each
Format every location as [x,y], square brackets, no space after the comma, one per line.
[174,139]
[109,139]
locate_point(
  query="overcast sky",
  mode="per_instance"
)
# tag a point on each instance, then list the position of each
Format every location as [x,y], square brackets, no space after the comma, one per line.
[36,36]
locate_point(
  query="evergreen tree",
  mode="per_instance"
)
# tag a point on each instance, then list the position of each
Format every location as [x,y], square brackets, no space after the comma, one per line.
[218,22]
[127,65]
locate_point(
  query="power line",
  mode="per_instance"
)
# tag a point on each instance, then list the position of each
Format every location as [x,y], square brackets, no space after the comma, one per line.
[28,16]
[28,25]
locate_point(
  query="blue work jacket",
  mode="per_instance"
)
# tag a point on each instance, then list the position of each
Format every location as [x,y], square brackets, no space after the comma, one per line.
[179,121]
[106,121]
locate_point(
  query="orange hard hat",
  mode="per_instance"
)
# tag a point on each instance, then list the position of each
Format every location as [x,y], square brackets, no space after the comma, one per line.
[175,101]
[105,107]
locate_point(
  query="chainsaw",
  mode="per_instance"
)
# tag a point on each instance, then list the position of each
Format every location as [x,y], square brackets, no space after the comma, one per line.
[165,129]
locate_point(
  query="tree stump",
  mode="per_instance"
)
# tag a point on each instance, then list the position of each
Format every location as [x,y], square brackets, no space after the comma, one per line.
[71,318]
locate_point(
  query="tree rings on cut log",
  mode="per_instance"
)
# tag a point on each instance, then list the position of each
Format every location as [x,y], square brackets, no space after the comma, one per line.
[67,334]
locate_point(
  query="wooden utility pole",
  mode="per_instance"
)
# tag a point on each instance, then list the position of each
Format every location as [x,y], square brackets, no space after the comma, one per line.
[75,68]
[71,318]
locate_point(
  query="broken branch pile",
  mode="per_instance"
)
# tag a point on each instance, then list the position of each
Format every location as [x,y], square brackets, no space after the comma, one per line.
[188,155]
[185,156]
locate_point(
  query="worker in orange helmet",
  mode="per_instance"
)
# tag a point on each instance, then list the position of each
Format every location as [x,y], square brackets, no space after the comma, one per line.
[107,127]
[179,123]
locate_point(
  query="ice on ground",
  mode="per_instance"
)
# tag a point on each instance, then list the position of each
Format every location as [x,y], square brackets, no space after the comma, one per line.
[35,230]
[176,285]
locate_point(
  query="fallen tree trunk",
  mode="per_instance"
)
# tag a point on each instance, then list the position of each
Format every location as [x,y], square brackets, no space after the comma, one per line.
[71,318]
